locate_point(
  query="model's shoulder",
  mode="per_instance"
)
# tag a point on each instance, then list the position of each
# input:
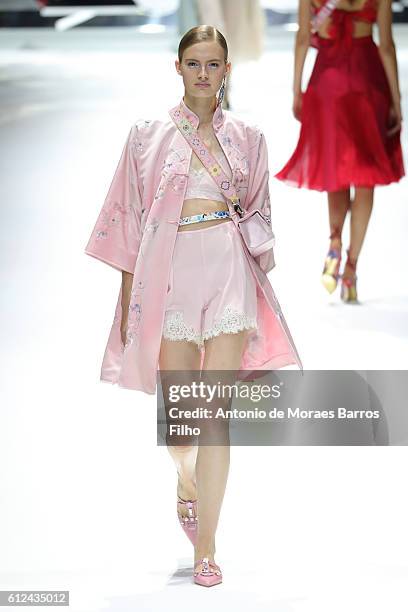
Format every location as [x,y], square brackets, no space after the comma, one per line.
[152,128]
[148,134]
[252,132]
[255,134]
[147,126]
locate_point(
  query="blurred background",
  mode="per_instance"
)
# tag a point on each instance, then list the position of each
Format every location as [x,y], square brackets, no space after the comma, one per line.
[46,13]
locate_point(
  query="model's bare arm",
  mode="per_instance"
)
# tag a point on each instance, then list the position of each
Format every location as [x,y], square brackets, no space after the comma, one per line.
[127,281]
[389,60]
[302,43]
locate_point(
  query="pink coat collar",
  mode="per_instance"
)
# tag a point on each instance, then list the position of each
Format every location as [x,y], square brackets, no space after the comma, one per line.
[218,117]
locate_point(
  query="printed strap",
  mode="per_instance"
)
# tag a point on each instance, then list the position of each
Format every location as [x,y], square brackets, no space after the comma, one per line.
[207,159]
[323,14]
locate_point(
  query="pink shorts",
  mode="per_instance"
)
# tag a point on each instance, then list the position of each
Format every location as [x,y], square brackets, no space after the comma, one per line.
[212,289]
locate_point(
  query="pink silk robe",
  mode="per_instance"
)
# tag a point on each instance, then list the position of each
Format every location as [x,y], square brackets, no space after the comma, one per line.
[136,231]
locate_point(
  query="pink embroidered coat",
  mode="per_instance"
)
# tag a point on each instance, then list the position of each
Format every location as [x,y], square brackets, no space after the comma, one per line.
[136,231]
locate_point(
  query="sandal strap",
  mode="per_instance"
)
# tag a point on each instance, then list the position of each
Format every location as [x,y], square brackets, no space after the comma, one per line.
[352,262]
[180,500]
[191,506]
[334,253]
[190,503]
[206,562]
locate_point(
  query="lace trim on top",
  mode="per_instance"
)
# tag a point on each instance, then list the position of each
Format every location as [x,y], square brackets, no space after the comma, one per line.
[232,321]
[201,185]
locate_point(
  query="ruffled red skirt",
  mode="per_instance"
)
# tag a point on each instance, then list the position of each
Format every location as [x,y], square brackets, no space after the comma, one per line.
[344,120]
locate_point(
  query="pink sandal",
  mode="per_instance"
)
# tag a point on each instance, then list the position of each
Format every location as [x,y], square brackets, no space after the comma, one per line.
[210,573]
[188,523]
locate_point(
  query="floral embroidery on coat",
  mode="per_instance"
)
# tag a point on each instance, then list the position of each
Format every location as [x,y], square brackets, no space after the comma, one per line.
[112,215]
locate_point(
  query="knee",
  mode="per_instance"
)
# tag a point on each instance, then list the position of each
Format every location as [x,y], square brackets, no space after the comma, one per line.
[215,428]
[181,446]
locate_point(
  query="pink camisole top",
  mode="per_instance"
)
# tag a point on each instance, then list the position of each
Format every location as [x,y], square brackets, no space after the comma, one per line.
[202,186]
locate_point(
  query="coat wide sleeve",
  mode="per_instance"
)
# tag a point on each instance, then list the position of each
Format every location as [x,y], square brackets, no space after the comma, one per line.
[258,193]
[116,237]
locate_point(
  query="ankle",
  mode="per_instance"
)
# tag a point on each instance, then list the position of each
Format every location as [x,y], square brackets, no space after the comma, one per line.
[335,238]
[351,259]
[187,490]
[335,244]
[350,266]
[204,551]
[349,272]
[208,555]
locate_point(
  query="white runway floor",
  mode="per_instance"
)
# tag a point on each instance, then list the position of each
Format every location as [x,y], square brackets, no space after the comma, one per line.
[87,499]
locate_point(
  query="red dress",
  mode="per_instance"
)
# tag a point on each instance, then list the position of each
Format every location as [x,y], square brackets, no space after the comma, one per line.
[344,117]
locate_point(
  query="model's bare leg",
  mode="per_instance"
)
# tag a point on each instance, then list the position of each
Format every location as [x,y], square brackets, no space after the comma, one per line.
[182,356]
[221,353]
[338,202]
[360,216]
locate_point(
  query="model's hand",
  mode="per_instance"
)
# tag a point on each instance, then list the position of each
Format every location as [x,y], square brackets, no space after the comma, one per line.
[123,329]
[394,120]
[297,105]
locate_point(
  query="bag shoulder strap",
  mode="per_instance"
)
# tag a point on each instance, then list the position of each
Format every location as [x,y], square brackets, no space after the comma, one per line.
[205,156]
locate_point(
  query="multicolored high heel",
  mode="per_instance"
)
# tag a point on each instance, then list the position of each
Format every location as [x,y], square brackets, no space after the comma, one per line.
[188,523]
[348,292]
[209,575]
[330,275]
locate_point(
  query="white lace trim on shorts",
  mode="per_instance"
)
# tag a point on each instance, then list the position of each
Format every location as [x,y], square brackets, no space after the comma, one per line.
[231,322]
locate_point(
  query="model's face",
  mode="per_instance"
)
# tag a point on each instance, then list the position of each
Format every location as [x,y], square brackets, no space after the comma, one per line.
[203,68]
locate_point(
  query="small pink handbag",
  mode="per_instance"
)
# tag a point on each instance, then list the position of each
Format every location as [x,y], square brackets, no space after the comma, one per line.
[256,232]
[254,226]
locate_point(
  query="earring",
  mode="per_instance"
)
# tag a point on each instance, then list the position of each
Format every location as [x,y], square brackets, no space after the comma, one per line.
[222,91]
